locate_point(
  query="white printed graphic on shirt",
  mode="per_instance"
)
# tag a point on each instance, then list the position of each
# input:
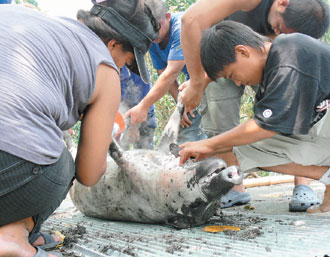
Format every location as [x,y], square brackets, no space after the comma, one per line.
[267,113]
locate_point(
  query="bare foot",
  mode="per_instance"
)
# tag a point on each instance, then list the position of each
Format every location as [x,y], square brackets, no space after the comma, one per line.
[324,206]
[13,249]
[41,241]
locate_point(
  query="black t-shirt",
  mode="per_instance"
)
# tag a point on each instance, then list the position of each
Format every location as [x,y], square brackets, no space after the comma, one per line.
[295,80]
[257,19]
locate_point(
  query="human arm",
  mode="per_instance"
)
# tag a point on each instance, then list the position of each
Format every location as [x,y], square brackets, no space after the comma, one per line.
[174,90]
[246,133]
[200,16]
[165,81]
[96,126]
[185,121]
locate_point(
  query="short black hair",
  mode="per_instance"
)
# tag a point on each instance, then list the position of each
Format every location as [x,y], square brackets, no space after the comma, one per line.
[310,17]
[218,45]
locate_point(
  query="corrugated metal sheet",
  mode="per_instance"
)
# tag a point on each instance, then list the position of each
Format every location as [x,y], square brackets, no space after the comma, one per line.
[267,230]
[265,235]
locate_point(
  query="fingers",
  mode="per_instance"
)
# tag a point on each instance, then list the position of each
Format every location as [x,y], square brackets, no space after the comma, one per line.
[191,112]
[127,114]
[183,85]
[186,153]
[185,121]
[190,98]
[137,115]
[183,157]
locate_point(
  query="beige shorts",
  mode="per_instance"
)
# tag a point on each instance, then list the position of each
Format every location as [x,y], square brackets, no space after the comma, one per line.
[221,107]
[311,149]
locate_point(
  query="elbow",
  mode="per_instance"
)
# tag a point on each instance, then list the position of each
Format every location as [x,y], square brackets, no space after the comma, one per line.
[91,179]
[186,21]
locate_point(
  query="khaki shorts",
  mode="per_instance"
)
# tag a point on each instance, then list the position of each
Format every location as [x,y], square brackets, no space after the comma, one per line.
[311,149]
[221,110]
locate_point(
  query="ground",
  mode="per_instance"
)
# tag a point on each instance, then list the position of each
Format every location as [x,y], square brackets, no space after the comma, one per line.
[267,228]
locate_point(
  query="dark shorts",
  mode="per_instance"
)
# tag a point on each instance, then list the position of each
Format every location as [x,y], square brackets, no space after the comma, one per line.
[31,190]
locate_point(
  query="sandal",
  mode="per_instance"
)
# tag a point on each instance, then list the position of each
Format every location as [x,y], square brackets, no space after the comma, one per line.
[234,197]
[303,197]
[50,242]
[43,253]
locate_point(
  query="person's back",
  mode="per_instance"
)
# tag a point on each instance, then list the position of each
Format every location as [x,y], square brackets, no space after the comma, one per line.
[60,71]
[302,64]
[257,19]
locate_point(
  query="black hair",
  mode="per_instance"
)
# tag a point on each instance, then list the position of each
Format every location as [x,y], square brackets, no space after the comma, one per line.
[132,10]
[310,17]
[218,45]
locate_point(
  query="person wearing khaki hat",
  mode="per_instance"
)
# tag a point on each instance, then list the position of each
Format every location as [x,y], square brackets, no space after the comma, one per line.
[53,71]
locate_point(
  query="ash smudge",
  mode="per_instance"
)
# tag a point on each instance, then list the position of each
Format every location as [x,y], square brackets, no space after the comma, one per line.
[72,235]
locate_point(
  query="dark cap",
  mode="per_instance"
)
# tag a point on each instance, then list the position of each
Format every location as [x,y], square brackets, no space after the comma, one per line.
[138,38]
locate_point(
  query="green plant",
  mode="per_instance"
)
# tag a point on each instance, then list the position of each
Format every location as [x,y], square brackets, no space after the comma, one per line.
[178,5]
[31,2]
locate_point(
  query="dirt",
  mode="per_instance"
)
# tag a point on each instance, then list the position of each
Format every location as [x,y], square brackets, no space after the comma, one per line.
[250,229]
[72,235]
[108,249]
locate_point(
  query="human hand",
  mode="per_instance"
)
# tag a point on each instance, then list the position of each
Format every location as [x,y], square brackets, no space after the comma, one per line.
[190,95]
[138,115]
[185,121]
[184,85]
[199,150]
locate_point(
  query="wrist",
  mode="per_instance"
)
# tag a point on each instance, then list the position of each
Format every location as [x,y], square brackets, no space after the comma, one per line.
[144,106]
[197,84]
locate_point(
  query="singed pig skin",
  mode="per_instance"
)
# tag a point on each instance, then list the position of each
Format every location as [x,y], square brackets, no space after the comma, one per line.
[149,186]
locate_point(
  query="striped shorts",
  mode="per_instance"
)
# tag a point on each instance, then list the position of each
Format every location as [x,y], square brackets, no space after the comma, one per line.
[31,190]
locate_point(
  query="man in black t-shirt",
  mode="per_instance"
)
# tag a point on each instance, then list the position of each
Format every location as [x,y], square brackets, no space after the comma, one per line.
[290,132]
[223,98]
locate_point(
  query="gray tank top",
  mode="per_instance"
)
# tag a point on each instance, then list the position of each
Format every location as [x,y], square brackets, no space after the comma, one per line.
[47,77]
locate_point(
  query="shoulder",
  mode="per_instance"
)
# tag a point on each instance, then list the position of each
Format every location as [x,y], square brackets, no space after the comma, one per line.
[176,21]
[297,39]
[296,46]
[106,77]
[176,17]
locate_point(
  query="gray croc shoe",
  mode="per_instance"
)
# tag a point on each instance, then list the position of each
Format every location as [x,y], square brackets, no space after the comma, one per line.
[234,197]
[303,197]
[43,253]
[50,242]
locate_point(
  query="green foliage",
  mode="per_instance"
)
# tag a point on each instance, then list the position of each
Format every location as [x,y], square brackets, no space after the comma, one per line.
[326,38]
[178,5]
[164,108]
[76,132]
[247,102]
[31,2]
